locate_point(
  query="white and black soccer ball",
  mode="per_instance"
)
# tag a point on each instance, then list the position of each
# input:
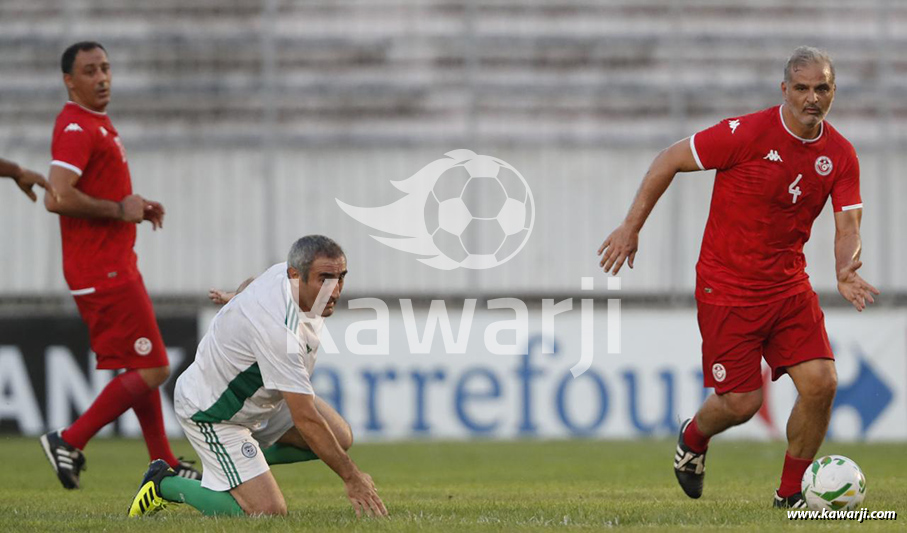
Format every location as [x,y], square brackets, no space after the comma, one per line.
[480,212]
[834,482]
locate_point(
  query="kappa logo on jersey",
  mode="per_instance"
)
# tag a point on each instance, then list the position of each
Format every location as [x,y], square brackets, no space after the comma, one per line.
[103,131]
[733,124]
[773,156]
[823,165]
[121,147]
[719,372]
[142,346]
[73,127]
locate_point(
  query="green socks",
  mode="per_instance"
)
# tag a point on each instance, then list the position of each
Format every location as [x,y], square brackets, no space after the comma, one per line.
[209,502]
[281,454]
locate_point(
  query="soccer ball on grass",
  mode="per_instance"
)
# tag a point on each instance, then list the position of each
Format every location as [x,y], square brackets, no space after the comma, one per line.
[834,482]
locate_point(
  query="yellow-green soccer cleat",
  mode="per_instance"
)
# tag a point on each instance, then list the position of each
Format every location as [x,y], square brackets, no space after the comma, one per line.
[148,500]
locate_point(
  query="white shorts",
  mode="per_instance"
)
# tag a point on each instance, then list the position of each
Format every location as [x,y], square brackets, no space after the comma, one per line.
[231,453]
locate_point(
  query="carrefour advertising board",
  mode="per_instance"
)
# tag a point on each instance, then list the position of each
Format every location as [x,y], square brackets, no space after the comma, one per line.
[492,370]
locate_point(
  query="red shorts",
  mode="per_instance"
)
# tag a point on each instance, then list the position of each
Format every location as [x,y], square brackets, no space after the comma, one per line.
[735,339]
[122,327]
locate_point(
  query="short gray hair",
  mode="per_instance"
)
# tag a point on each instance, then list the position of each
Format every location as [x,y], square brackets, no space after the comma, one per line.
[305,250]
[807,55]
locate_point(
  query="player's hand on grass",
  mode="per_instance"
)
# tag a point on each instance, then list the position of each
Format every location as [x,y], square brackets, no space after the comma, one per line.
[154,212]
[28,179]
[620,246]
[132,209]
[220,297]
[854,288]
[363,495]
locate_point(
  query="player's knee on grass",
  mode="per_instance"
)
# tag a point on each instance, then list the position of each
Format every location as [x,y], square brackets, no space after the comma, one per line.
[155,377]
[260,496]
[276,508]
[265,508]
[262,506]
[743,406]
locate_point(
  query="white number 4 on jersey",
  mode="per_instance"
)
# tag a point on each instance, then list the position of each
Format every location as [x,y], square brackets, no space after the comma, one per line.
[794,190]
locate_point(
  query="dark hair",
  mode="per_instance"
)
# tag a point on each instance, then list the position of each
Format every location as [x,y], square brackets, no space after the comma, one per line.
[305,250]
[69,55]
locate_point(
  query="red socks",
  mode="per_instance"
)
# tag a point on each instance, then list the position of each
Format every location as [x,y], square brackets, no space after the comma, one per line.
[792,475]
[694,439]
[148,411]
[114,400]
[125,391]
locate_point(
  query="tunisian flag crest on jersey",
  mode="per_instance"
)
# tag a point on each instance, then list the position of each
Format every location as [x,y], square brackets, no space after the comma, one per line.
[823,165]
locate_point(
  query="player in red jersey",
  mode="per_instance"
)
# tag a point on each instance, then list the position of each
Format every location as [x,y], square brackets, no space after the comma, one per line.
[24,178]
[775,171]
[98,215]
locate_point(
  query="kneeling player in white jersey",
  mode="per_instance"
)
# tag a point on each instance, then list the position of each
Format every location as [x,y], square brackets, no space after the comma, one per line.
[247,401]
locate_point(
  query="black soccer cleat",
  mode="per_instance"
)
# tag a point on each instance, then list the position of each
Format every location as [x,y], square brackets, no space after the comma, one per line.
[186,470]
[689,466]
[794,501]
[66,460]
[149,500]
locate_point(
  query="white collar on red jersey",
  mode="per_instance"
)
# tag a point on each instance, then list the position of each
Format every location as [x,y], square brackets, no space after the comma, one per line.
[99,113]
[819,136]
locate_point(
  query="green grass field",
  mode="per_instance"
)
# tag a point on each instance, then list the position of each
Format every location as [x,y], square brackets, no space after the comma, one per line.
[525,486]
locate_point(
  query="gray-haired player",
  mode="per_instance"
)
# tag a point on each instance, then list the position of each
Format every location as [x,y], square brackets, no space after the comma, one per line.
[247,402]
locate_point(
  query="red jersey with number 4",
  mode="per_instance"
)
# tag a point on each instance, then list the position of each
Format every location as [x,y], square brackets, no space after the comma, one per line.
[770,187]
[97,252]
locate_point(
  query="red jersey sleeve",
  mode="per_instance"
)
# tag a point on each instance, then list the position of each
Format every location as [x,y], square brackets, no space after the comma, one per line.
[721,146]
[845,191]
[72,145]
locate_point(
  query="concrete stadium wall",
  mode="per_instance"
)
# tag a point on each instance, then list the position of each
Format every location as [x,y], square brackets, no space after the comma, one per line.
[225,221]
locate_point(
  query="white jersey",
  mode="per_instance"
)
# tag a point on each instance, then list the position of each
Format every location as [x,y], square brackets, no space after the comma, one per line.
[258,345]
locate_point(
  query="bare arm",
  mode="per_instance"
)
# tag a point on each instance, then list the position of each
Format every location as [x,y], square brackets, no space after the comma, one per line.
[69,201]
[848,246]
[221,297]
[24,178]
[8,169]
[317,434]
[622,243]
